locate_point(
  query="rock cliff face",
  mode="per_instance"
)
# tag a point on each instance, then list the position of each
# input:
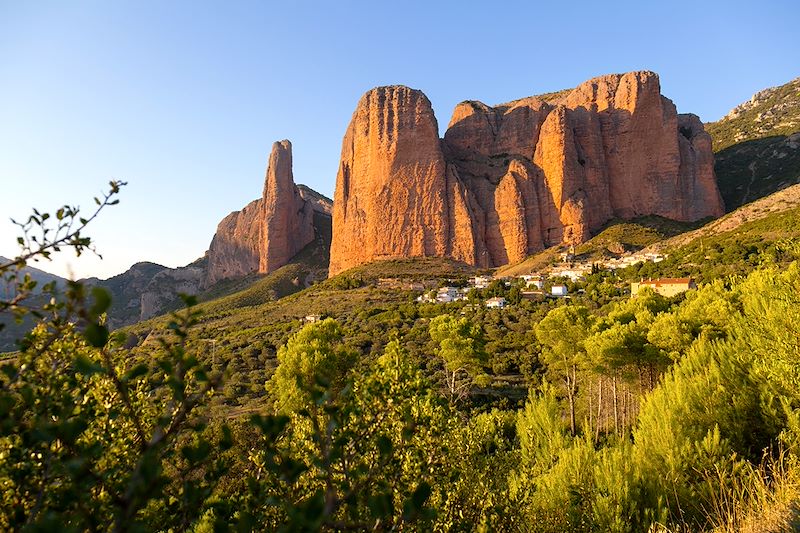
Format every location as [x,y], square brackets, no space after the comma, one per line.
[391,188]
[509,180]
[268,232]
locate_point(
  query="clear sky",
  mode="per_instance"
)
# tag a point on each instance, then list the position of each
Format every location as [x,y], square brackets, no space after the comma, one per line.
[184,99]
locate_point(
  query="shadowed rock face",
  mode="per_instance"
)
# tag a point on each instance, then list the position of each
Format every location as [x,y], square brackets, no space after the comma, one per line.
[268,232]
[235,249]
[509,180]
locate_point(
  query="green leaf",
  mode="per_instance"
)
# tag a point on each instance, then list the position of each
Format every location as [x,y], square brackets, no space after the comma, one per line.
[226,441]
[380,505]
[86,366]
[96,335]
[421,495]
[135,372]
[102,301]
[270,426]
[384,446]
[189,300]
[7,403]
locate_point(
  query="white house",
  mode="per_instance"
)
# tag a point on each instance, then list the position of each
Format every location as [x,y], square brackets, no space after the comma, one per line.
[558,290]
[481,282]
[447,295]
[535,282]
[497,302]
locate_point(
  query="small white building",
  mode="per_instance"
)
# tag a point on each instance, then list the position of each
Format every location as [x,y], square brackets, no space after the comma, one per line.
[535,282]
[447,295]
[481,282]
[498,302]
[558,291]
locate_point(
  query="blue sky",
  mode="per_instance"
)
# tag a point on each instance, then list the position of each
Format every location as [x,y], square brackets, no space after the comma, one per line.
[184,99]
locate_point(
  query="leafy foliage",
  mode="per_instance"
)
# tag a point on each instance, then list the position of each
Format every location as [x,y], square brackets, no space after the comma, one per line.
[395,415]
[461,348]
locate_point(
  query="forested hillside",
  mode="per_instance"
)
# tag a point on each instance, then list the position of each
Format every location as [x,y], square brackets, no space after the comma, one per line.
[602,412]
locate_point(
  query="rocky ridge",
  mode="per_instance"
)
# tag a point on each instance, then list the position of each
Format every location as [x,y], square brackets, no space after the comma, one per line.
[757,145]
[268,232]
[775,110]
[509,180]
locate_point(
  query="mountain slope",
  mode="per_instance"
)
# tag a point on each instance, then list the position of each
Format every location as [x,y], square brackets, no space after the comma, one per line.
[39,276]
[10,330]
[757,145]
[776,203]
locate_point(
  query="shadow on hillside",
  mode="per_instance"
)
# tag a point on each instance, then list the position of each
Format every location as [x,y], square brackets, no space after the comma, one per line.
[750,170]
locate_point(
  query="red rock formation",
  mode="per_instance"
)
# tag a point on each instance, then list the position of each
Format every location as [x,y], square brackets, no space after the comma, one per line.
[391,189]
[512,179]
[697,179]
[267,233]
[288,219]
[235,250]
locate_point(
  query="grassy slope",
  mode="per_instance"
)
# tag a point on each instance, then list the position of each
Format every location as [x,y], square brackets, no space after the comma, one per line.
[244,330]
[257,304]
[779,202]
[617,235]
[720,250]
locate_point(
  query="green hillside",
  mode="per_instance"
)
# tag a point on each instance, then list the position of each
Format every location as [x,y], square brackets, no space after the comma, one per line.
[246,328]
[771,239]
[757,145]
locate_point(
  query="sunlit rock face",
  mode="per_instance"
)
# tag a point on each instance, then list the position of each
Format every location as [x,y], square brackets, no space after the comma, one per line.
[509,180]
[270,231]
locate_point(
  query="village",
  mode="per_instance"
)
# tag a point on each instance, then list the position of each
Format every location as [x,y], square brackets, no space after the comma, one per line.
[547,283]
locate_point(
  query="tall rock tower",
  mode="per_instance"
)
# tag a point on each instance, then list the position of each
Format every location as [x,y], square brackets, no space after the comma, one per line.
[268,232]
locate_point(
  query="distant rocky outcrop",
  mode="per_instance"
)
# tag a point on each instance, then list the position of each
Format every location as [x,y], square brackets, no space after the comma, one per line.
[508,180]
[148,289]
[757,145]
[161,294]
[268,232]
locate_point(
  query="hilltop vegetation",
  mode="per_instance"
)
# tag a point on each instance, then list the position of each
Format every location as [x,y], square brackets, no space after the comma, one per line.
[713,255]
[757,145]
[771,112]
